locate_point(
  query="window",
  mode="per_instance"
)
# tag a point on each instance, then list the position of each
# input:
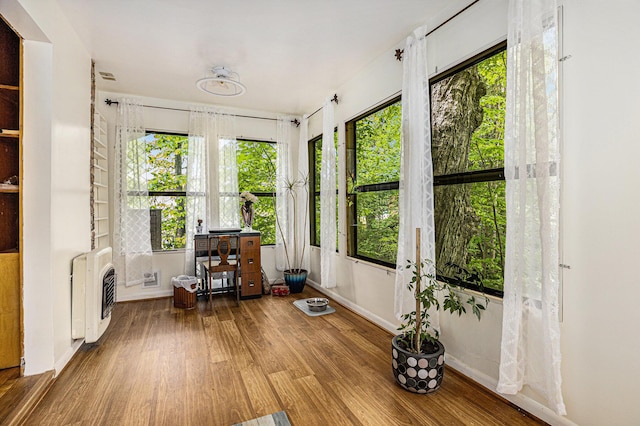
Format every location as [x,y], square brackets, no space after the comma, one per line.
[166,171]
[373,167]
[256,174]
[315,168]
[467,120]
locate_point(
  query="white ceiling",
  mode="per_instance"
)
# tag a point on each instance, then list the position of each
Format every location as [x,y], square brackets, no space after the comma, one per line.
[289,53]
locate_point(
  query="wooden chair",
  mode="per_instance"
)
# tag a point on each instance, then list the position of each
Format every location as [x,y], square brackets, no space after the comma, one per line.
[224,244]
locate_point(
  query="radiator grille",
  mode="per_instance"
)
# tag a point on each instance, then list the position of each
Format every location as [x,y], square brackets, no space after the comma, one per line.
[108,292]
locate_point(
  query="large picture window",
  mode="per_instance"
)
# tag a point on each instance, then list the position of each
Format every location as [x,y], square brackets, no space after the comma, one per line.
[315,168]
[373,167]
[256,162]
[467,113]
[166,183]
[467,121]
[167,167]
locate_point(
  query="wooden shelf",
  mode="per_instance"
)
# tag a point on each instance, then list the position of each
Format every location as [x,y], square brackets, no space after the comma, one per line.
[10,133]
[8,188]
[11,331]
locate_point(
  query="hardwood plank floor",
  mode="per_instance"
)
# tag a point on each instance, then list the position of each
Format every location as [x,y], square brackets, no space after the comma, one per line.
[20,395]
[157,365]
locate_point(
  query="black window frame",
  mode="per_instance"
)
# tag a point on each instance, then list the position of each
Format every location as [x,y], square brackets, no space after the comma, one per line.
[352,196]
[314,178]
[474,176]
[313,193]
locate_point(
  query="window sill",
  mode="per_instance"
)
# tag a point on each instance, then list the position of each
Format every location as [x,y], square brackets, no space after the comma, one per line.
[387,269]
[478,294]
[168,251]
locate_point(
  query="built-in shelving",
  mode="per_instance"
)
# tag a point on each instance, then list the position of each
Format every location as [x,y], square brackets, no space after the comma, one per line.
[10,199]
[100,183]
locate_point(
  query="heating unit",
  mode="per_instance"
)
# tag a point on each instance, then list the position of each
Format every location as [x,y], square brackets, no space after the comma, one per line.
[93,286]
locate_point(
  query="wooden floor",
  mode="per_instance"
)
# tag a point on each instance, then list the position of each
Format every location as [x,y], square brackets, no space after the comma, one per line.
[157,365]
[20,395]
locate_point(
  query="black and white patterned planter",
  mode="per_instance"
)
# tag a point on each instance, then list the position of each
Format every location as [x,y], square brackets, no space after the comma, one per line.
[419,373]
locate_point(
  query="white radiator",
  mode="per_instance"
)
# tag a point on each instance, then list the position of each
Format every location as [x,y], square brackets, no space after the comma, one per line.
[92,294]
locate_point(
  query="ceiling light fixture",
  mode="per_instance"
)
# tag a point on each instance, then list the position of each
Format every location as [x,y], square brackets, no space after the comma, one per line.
[223,82]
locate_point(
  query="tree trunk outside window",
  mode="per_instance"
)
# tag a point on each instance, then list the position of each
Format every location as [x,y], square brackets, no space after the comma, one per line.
[456,114]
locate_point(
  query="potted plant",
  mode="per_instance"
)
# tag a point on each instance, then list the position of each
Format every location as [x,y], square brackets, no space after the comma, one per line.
[417,354]
[294,275]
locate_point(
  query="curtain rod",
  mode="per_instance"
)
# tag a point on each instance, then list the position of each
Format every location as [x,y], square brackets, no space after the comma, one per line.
[294,121]
[399,52]
[334,99]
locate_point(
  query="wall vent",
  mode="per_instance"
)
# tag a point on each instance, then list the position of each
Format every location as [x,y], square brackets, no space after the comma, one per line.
[151,280]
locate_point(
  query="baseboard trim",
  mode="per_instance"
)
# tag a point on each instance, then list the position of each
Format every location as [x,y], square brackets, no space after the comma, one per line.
[31,400]
[526,403]
[380,322]
[62,362]
[145,294]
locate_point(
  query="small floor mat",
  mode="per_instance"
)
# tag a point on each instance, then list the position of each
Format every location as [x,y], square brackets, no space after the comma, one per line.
[302,305]
[276,419]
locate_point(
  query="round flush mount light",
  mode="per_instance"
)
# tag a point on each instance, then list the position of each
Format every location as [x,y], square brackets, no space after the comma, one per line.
[221,82]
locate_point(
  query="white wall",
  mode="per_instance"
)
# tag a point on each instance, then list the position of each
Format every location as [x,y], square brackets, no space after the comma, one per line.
[601,147]
[171,264]
[370,287]
[57,80]
[599,204]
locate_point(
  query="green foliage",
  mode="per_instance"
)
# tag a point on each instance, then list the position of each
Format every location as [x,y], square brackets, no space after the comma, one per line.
[377,160]
[488,199]
[430,292]
[378,221]
[166,169]
[256,174]
[317,169]
[378,138]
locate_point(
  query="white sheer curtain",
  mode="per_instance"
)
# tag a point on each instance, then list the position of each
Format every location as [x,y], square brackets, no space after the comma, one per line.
[416,171]
[328,200]
[530,326]
[201,133]
[303,194]
[132,238]
[284,206]
[225,194]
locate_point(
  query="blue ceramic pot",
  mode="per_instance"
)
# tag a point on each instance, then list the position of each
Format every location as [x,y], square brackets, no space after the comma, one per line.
[295,279]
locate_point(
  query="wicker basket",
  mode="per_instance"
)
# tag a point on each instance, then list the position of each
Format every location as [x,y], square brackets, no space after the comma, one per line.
[183,299]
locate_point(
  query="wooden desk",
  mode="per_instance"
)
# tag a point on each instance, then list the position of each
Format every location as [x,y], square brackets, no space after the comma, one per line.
[249,254]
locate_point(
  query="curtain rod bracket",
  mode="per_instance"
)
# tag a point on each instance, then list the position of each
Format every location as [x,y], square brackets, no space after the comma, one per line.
[109,102]
[296,122]
[335,98]
[399,52]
